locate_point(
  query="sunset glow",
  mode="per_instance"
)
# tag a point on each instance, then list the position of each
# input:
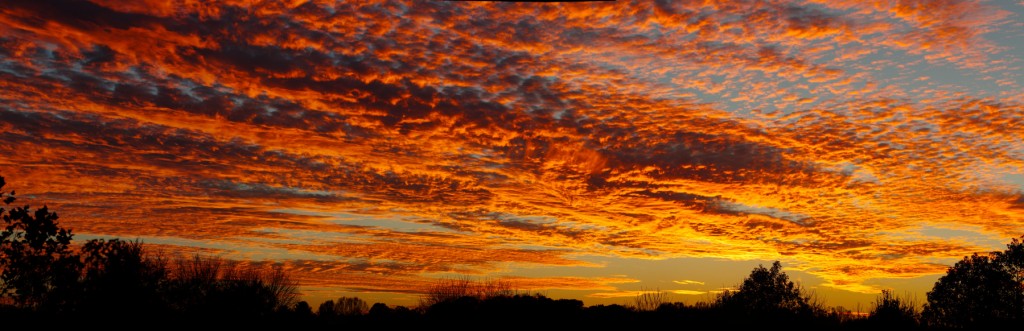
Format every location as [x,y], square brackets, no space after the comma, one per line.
[587,150]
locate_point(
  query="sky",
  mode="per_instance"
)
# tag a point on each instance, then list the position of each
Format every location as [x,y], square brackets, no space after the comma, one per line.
[578,150]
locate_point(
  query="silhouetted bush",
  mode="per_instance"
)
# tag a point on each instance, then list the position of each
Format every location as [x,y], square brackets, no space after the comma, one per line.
[892,311]
[649,300]
[211,288]
[450,289]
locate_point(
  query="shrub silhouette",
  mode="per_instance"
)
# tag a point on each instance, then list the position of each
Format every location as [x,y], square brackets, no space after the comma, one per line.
[980,291]
[38,269]
[209,287]
[451,289]
[892,311]
[649,300]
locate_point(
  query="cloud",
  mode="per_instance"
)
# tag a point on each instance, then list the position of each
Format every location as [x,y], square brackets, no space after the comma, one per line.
[721,290]
[688,282]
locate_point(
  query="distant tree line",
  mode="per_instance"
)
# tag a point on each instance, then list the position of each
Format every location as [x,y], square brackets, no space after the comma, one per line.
[46,281]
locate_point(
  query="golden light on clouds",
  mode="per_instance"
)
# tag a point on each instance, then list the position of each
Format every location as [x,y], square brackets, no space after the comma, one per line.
[376,146]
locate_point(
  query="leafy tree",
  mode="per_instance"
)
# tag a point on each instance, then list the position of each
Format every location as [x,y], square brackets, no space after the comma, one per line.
[982,290]
[38,269]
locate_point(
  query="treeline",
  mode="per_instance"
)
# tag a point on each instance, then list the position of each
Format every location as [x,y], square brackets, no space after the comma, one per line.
[46,281]
[981,292]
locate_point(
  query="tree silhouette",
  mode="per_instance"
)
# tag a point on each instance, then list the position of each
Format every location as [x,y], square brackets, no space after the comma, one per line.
[379,310]
[121,278]
[768,296]
[344,310]
[982,290]
[767,291]
[399,317]
[37,266]
[350,306]
[326,310]
[302,312]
